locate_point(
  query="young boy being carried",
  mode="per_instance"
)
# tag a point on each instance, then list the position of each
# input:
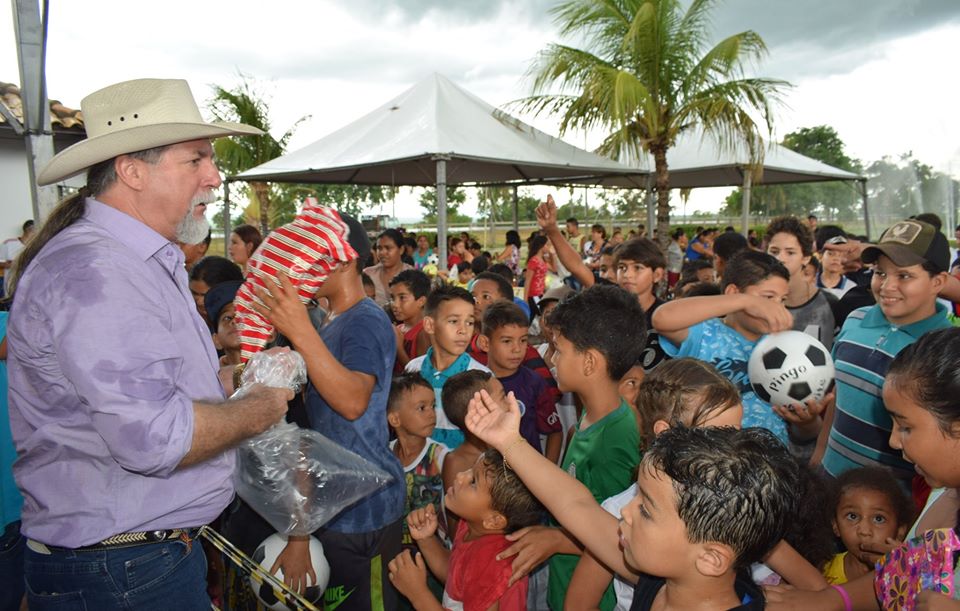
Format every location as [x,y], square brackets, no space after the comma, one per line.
[408,298]
[723,330]
[710,502]
[491,501]
[449,321]
[412,417]
[599,334]
[503,337]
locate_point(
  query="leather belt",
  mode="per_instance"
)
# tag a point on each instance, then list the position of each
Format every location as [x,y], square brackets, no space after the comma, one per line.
[132,539]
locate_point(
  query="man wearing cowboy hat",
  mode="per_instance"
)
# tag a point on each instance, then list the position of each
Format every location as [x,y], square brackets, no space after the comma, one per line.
[120,423]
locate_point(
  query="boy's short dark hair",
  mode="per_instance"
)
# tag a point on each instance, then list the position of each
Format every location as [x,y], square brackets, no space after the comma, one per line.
[366,280]
[503,270]
[695,288]
[500,314]
[877,479]
[734,487]
[401,385]
[641,250]
[479,264]
[212,270]
[417,281]
[607,319]
[573,221]
[503,285]
[443,294]
[728,244]
[749,267]
[796,228]
[827,232]
[457,392]
[508,494]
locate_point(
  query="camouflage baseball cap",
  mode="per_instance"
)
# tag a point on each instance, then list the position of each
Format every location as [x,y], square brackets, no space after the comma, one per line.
[911,242]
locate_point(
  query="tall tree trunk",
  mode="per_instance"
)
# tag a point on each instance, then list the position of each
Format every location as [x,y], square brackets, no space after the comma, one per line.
[262,191]
[659,152]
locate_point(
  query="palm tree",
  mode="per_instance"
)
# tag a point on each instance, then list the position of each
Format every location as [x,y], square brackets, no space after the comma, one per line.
[645,79]
[234,155]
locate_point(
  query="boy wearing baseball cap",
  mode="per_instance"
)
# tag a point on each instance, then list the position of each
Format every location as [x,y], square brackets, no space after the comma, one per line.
[910,269]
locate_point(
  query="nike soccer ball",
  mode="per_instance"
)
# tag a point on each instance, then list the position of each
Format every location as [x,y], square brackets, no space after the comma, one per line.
[790,367]
[266,554]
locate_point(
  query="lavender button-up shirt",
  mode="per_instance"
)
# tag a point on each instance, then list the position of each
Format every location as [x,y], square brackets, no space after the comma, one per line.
[106,355]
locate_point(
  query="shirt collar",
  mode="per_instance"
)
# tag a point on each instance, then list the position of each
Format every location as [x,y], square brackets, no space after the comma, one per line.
[130,232]
[875,318]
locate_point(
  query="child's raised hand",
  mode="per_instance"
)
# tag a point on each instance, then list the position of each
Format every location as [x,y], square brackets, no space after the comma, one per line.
[547,213]
[772,315]
[408,574]
[422,522]
[493,423]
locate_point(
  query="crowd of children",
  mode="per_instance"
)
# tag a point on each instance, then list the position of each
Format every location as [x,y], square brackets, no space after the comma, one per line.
[593,441]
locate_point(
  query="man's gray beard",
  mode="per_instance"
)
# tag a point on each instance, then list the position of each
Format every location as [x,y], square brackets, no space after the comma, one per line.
[193,230]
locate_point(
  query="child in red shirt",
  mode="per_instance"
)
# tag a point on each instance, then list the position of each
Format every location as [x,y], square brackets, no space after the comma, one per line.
[491,502]
[408,297]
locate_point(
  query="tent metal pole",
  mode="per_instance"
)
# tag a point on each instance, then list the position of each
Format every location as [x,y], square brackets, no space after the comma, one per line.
[30,30]
[651,207]
[866,212]
[442,211]
[516,208]
[747,180]
[226,218]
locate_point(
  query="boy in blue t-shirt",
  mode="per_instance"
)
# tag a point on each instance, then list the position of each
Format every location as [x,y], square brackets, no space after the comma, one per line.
[349,367]
[448,319]
[723,330]
[504,338]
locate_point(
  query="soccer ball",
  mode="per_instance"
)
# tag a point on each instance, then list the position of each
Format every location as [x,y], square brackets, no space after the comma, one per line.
[790,367]
[266,554]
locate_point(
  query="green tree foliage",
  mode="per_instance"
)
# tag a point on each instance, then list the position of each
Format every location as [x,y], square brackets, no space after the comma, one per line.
[645,75]
[836,200]
[244,104]
[456,196]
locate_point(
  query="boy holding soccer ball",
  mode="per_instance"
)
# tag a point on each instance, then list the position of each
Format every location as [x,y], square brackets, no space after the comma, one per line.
[910,269]
[723,329]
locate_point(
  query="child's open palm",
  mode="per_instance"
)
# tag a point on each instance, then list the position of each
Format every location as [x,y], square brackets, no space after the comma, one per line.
[422,522]
[493,424]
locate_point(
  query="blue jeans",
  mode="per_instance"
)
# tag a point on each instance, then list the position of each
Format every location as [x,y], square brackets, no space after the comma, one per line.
[11,567]
[155,576]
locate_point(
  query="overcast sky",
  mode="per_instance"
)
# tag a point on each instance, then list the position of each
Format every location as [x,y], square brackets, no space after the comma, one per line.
[882,72]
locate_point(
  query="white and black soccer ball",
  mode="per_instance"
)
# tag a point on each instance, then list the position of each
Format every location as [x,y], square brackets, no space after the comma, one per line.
[790,367]
[266,554]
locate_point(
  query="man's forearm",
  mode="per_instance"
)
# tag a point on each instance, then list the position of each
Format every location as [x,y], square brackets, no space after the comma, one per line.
[217,427]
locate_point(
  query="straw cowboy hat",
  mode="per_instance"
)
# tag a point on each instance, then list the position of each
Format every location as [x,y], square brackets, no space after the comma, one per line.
[134,116]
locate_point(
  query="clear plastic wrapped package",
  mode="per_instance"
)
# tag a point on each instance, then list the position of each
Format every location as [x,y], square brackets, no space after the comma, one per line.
[295,478]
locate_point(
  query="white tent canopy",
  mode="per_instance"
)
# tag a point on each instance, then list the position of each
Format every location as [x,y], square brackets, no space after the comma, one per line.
[697,160]
[398,144]
[435,133]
